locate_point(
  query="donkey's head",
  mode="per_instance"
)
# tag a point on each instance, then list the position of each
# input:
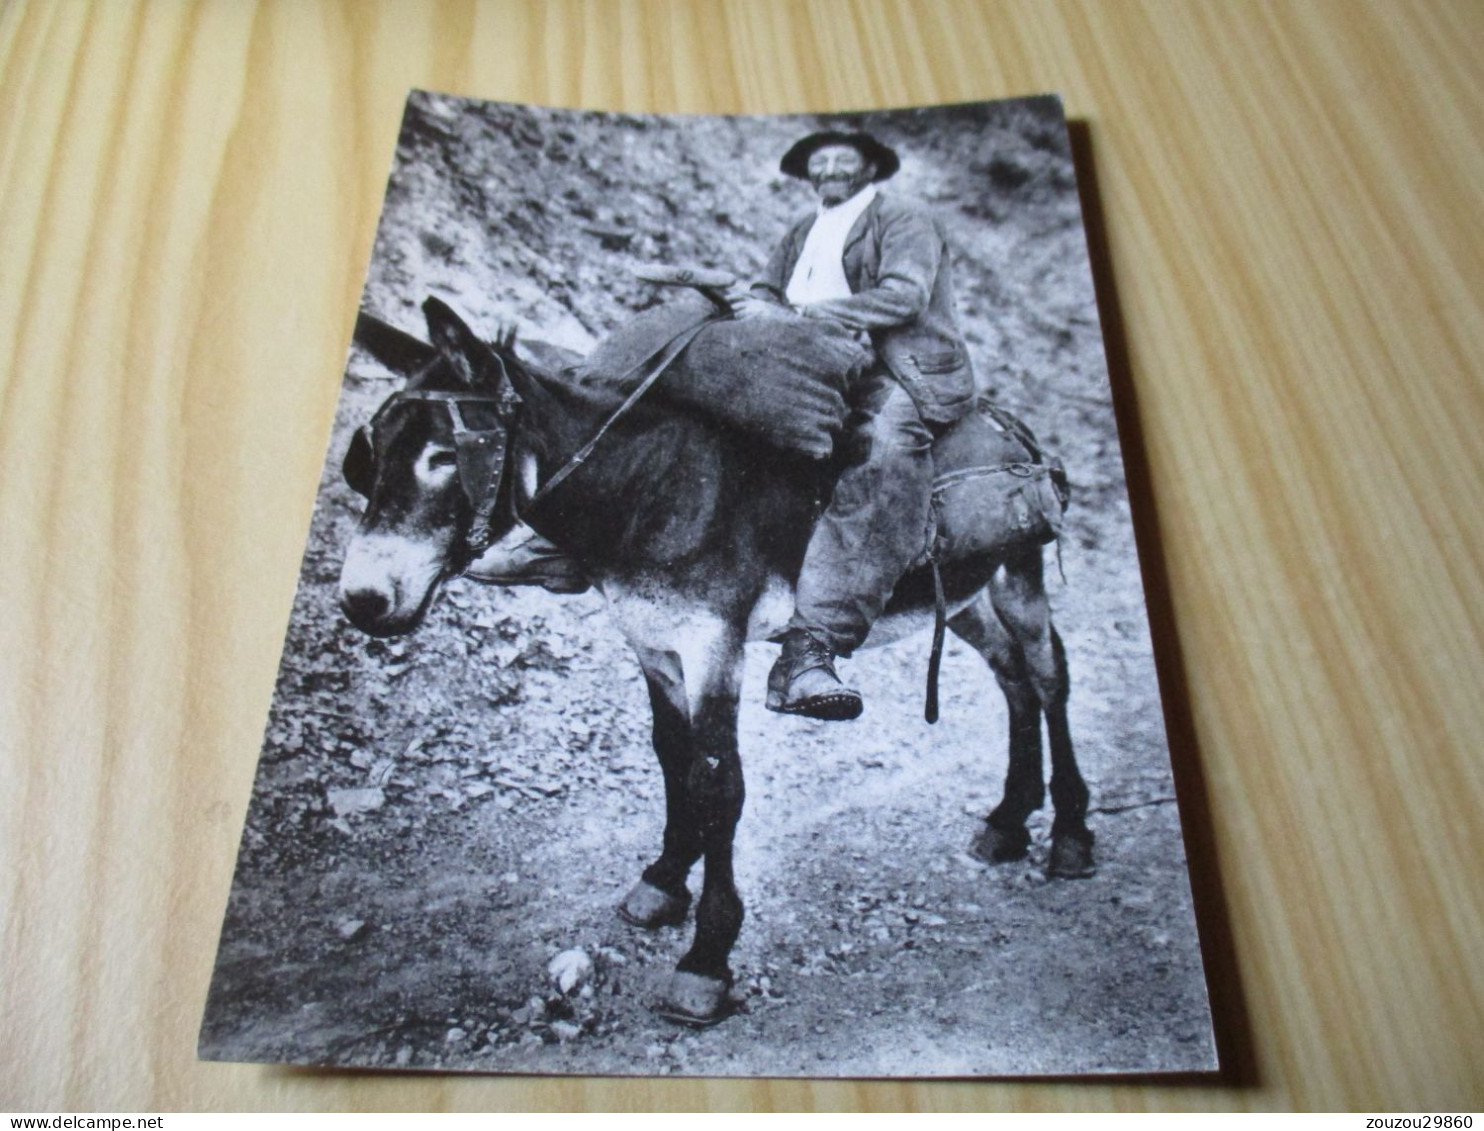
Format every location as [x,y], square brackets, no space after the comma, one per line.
[431,465]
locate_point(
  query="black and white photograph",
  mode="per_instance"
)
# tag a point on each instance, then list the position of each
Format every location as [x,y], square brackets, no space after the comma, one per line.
[720,647]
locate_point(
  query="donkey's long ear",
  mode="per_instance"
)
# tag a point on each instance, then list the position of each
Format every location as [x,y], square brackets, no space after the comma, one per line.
[359,466]
[472,361]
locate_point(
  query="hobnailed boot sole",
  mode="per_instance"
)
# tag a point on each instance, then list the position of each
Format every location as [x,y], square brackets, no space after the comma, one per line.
[835,707]
[803,682]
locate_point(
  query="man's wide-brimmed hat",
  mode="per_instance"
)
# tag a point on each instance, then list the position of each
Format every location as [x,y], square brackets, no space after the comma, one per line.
[796,161]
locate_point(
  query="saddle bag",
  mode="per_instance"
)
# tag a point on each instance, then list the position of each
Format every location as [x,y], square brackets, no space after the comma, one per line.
[994,488]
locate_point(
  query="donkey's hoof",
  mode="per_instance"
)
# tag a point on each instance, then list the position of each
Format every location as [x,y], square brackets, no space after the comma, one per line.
[996,846]
[1071,856]
[694,1000]
[648,907]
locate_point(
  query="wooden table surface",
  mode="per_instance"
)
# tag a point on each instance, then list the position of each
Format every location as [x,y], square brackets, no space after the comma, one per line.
[1289,241]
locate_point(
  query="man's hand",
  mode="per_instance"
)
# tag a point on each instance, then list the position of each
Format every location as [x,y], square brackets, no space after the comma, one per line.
[747,304]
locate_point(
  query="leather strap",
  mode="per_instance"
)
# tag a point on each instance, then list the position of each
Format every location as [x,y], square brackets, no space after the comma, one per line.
[658,364]
[1019,469]
[480,452]
[935,657]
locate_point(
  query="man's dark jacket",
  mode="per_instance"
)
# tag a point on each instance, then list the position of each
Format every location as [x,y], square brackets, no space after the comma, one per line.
[897,264]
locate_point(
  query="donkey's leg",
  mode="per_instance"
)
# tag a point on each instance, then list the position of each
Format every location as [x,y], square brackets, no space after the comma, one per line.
[660,898]
[1004,836]
[1019,596]
[697,993]
[1071,839]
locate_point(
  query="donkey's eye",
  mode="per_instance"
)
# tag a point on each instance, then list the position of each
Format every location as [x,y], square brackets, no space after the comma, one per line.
[435,465]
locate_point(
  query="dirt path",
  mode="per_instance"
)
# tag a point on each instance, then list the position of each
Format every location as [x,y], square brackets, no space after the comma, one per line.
[418,934]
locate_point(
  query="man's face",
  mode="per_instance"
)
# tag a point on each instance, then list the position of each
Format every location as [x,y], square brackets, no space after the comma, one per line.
[838,172]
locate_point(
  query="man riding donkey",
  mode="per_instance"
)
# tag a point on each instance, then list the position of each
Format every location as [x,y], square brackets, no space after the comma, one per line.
[879,266]
[687,526]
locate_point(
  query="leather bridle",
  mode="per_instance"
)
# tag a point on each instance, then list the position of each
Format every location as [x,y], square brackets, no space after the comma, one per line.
[482,454]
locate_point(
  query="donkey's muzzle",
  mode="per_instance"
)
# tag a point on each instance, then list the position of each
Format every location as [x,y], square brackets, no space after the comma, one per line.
[365,607]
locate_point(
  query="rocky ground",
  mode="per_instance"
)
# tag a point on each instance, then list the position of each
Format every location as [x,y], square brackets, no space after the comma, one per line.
[442,825]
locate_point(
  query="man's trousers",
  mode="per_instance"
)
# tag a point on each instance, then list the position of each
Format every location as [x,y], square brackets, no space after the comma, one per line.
[876,523]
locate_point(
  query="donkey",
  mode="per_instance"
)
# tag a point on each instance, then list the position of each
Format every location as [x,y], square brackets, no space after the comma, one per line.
[693,535]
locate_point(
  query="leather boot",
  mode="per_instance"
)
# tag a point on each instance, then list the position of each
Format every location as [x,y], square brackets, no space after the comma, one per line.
[530,560]
[803,681]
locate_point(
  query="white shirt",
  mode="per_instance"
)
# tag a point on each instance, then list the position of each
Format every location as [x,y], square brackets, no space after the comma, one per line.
[820,272]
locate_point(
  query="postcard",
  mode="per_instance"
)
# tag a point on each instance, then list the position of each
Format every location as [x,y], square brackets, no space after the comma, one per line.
[720,647]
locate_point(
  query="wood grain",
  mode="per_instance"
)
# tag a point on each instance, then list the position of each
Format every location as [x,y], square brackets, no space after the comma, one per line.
[1287,198]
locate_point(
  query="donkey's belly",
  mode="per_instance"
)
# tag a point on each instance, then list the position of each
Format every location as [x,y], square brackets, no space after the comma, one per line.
[770,615]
